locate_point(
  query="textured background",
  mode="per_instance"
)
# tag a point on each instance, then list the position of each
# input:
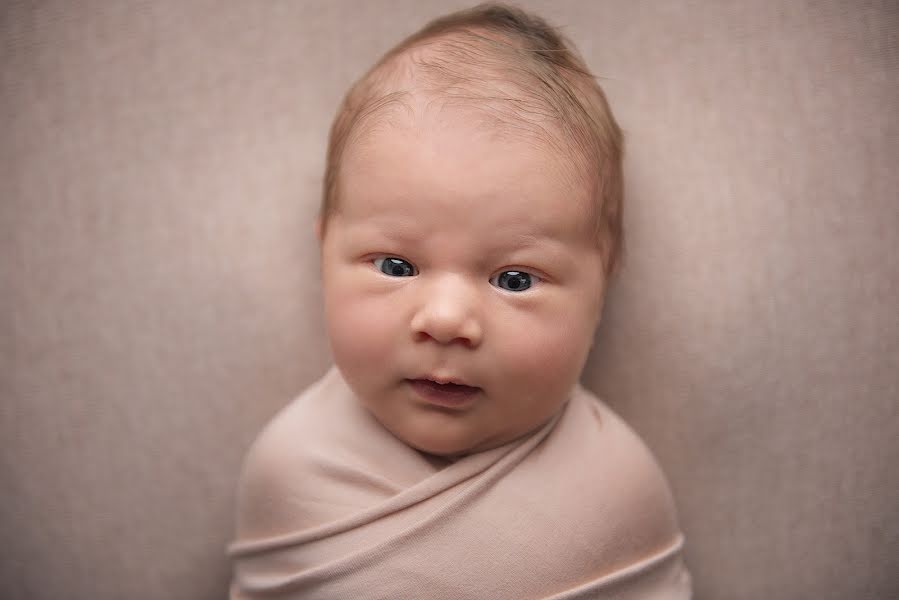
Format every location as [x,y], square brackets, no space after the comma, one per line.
[160,165]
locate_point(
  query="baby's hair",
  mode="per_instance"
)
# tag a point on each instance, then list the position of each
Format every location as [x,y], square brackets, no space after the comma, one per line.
[521,75]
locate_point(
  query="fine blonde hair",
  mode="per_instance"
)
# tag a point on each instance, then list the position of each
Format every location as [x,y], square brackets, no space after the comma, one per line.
[524,77]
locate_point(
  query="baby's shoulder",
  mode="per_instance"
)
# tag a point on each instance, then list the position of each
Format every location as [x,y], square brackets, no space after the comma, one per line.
[614,437]
[627,485]
[279,469]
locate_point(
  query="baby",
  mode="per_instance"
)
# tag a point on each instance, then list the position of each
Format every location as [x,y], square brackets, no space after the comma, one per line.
[471,219]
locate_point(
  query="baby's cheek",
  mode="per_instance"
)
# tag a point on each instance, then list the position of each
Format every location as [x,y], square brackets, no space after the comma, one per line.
[359,328]
[550,352]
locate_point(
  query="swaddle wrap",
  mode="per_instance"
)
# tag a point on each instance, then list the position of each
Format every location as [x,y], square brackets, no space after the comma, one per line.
[331,505]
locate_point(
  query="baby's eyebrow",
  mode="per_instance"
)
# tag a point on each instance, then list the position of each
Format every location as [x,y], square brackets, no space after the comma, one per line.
[402,232]
[405,231]
[529,239]
[517,241]
[396,228]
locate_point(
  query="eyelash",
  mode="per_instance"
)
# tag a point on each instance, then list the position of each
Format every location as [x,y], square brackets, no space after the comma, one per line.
[398,268]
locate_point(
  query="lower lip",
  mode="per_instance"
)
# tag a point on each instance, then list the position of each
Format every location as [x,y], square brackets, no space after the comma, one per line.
[447,396]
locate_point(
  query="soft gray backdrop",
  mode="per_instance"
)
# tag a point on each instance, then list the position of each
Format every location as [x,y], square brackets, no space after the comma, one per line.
[160,166]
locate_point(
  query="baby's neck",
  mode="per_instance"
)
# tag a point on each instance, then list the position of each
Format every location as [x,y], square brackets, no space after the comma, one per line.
[439,462]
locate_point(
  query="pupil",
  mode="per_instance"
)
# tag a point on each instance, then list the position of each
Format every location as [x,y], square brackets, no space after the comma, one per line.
[515,280]
[398,270]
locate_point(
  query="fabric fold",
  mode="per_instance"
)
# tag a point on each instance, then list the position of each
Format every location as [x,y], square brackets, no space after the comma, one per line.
[576,509]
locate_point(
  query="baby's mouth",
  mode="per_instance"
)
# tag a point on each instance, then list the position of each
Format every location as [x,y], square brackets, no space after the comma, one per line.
[450,394]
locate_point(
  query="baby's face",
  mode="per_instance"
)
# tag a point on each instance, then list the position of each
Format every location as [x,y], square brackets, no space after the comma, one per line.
[455,256]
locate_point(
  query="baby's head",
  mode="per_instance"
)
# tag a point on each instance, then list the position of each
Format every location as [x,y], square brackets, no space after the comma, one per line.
[471,218]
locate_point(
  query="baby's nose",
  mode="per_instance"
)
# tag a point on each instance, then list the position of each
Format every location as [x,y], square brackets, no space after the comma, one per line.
[449,313]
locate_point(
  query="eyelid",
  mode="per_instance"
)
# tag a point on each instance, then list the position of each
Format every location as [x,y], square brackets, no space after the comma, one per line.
[535,274]
[375,255]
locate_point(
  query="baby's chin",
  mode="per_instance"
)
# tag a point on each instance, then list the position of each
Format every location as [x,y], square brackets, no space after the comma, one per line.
[440,443]
[445,448]
[451,448]
[451,435]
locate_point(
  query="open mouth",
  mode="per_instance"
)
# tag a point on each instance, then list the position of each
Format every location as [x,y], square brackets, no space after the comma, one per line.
[450,395]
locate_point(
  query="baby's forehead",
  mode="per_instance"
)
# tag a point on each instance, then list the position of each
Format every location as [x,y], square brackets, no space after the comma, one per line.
[444,165]
[447,133]
[425,115]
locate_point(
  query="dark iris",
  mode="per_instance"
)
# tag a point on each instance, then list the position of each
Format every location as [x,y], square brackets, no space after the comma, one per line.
[397,267]
[514,280]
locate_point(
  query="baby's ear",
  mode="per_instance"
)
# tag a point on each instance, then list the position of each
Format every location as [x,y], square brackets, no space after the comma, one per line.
[317,227]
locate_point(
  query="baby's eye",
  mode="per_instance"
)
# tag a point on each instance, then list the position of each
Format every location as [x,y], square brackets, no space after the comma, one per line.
[515,281]
[395,267]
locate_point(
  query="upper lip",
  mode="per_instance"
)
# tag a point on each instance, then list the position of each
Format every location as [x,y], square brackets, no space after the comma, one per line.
[441,379]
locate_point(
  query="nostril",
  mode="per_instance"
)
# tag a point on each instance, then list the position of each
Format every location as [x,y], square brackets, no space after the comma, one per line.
[468,336]
[439,338]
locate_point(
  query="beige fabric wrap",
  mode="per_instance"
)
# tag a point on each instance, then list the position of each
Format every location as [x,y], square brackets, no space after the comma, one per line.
[331,505]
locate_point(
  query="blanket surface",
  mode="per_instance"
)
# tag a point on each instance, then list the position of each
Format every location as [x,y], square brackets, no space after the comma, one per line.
[331,505]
